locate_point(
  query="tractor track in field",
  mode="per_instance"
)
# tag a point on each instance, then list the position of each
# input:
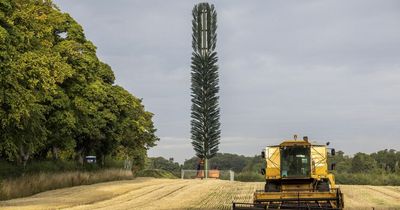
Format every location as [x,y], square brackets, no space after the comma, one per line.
[385,193]
[149,193]
[137,198]
[174,191]
[127,193]
[371,197]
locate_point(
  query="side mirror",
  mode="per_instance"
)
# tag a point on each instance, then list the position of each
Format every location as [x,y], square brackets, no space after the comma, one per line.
[333,166]
[333,152]
[263,171]
[263,154]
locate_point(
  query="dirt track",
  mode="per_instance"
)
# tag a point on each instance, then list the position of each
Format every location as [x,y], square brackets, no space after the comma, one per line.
[148,193]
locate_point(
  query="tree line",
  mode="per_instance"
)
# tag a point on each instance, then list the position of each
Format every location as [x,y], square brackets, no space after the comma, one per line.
[384,161]
[57,99]
[378,168]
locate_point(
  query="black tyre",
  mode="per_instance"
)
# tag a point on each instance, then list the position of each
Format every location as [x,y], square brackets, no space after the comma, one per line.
[323,186]
[271,187]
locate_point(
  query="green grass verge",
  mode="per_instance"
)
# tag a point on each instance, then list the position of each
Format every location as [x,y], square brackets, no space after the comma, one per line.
[249,177]
[156,173]
[10,170]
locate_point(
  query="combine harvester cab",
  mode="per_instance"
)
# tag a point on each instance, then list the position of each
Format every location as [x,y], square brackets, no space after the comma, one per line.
[297,177]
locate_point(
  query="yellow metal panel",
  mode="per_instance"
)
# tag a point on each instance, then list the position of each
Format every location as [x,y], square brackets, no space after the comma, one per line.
[295,143]
[297,187]
[273,162]
[319,164]
[331,178]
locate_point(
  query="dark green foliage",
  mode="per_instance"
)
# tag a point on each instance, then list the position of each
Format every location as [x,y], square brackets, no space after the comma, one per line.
[249,176]
[222,161]
[9,170]
[246,169]
[368,179]
[389,160]
[205,125]
[343,162]
[164,164]
[255,164]
[191,164]
[156,173]
[226,161]
[379,168]
[57,99]
[384,161]
[363,163]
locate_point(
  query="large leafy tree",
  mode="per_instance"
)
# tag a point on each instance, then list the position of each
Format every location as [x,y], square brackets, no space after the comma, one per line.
[31,70]
[57,97]
[362,163]
[205,125]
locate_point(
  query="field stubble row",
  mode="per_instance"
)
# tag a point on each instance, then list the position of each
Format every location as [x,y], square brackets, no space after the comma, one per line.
[149,193]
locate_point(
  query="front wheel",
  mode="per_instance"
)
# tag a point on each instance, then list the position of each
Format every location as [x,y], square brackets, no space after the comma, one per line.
[323,186]
[271,187]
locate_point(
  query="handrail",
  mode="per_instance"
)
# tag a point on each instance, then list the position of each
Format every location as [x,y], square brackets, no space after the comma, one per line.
[303,190]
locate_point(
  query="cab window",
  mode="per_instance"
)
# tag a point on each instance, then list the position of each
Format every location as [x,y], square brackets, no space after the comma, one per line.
[295,162]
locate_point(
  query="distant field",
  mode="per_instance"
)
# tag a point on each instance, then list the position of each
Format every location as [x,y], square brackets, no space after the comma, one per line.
[149,193]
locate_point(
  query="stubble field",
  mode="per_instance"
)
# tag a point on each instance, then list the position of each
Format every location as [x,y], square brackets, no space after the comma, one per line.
[149,193]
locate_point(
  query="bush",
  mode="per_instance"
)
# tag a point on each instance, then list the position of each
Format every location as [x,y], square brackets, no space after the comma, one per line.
[33,167]
[367,179]
[156,173]
[222,161]
[164,164]
[250,177]
[111,163]
[8,169]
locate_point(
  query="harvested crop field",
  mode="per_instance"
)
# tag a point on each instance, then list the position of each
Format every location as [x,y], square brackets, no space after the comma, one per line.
[149,193]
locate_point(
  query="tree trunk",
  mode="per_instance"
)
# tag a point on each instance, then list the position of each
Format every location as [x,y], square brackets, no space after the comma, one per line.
[206,168]
[79,156]
[24,155]
[100,160]
[54,153]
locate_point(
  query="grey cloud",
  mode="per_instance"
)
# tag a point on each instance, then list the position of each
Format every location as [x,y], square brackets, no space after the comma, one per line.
[326,69]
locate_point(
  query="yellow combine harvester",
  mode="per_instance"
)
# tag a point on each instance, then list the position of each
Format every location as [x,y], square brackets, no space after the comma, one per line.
[297,177]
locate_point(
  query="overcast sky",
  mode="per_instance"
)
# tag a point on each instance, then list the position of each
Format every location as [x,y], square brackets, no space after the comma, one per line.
[326,69]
